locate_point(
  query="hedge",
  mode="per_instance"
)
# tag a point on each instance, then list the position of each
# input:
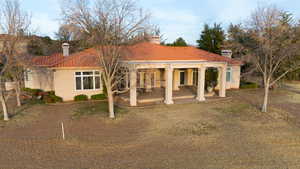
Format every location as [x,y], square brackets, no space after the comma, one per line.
[33,92]
[52,98]
[248,85]
[46,97]
[81,97]
[98,97]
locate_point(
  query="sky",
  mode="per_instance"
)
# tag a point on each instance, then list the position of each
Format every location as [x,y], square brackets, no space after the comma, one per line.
[175,18]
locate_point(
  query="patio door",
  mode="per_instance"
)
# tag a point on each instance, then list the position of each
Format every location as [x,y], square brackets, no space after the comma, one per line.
[182,78]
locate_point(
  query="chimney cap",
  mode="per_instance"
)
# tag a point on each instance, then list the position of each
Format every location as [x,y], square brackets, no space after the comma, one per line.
[155,39]
[65,44]
[226,53]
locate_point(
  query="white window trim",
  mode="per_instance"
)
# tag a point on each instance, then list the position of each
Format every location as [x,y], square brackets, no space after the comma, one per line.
[94,81]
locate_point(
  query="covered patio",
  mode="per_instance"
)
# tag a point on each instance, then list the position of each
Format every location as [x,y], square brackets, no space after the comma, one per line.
[168,81]
[157,95]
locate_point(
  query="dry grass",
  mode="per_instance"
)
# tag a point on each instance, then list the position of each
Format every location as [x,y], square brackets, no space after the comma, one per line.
[230,133]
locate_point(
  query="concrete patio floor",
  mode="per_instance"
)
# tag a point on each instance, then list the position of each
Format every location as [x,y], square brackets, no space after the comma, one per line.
[157,95]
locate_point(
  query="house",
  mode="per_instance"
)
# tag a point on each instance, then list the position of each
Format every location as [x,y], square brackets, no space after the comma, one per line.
[152,68]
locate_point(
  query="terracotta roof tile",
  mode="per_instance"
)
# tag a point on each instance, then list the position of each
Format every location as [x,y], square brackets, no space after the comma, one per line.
[140,52]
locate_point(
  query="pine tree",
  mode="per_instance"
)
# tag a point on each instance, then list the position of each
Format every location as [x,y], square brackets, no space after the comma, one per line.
[178,42]
[211,38]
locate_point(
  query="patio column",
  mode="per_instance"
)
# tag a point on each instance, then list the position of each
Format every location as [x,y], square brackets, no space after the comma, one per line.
[148,81]
[133,78]
[190,77]
[127,80]
[222,90]
[169,85]
[176,80]
[201,84]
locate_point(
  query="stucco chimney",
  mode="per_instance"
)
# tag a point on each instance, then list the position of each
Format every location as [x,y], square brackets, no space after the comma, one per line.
[66,47]
[226,53]
[155,40]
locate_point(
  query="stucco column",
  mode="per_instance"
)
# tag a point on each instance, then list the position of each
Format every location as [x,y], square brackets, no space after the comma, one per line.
[222,90]
[176,79]
[190,77]
[158,79]
[169,85]
[127,80]
[148,85]
[133,95]
[201,84]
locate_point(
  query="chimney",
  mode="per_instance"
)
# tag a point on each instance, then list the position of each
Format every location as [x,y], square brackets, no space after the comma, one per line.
[155,40]
[226,53]
[65,47]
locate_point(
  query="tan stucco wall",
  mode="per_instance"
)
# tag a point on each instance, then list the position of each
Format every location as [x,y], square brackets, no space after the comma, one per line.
[159,77]
[64,85]
[40,79]
[9,86]
[235,81]
[236,76]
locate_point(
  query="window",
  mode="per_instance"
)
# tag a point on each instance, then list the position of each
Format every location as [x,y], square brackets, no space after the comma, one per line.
[88,80]
[229,75]
[27,75]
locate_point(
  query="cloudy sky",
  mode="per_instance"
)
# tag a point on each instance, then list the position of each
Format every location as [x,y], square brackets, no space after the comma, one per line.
[184,18]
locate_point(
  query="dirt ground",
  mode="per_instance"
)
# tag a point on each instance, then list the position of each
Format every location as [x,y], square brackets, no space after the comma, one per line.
[230,133]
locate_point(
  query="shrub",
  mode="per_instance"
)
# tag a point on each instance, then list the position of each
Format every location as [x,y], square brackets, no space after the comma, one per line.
[51,92]
[33,92]
[81,97]
[98,97]
[50,97]
[56,98]
[248,85]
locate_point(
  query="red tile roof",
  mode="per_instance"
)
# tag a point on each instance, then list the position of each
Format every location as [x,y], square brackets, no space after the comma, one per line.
[140,52]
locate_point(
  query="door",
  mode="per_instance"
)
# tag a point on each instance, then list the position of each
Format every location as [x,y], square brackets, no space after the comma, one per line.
[182,78]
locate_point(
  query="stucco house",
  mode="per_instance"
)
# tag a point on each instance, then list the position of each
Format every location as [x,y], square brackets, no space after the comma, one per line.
[153,68]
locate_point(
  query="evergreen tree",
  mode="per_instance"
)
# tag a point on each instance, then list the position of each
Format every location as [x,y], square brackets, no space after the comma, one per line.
[211,38]
[178,42]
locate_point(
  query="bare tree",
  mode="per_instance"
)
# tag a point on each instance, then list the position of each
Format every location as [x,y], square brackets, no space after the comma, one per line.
[68,33]
[274,46]
[111,25]
[14,24]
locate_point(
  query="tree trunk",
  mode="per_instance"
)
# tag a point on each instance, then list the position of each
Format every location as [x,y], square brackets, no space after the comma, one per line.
[110,103]
[18,93]
[265,104]
[4,106]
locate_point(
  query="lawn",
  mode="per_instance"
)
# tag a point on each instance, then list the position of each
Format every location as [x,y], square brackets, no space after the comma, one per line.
[229,133]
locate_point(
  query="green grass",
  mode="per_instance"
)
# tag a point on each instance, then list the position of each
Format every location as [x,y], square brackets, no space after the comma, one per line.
[99,109]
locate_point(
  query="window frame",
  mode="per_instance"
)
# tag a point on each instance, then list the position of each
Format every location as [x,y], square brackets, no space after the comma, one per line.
[27,75]
[229,70]
[93,75]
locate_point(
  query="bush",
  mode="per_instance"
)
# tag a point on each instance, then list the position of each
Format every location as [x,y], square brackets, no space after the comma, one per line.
[248,85]
[33,92]
[98,97]
[51,92]
[52,99]
[81,97]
